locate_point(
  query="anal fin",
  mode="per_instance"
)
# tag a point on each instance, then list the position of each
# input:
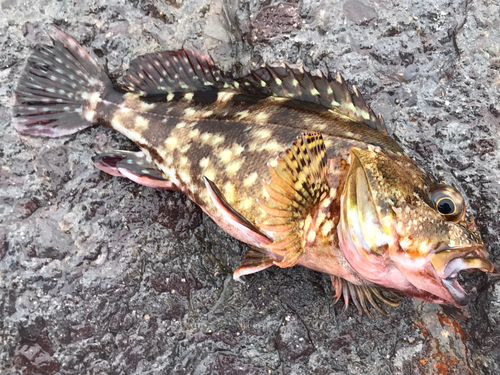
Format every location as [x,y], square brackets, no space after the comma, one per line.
[135,167]
[255,261]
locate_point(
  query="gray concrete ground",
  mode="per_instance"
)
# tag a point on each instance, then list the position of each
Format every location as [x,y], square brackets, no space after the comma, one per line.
[101,276]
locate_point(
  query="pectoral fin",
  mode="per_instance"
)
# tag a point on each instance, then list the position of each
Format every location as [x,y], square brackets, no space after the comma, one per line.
[135,167]
[298,185]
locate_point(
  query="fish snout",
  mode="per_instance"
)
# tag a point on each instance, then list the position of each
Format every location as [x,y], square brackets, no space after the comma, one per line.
[448,263]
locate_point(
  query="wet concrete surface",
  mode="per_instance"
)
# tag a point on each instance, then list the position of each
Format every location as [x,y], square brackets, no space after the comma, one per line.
[99,275]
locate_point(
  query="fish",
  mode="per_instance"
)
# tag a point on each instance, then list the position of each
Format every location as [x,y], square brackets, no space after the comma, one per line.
[296,165]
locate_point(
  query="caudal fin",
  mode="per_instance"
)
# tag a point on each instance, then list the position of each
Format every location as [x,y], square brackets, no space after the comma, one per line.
[59,89]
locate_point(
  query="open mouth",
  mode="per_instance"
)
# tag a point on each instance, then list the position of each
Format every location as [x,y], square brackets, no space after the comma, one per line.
[448,263]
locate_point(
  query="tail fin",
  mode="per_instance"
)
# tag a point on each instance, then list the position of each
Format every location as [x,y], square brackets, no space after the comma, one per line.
[59,89]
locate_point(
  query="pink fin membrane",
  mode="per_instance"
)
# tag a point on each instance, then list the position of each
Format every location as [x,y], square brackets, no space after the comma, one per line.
[234,217]
[255,261]
[135,167]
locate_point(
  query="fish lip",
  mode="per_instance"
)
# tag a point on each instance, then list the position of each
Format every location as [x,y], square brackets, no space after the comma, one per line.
[448,262]
[456,291]
[472,257]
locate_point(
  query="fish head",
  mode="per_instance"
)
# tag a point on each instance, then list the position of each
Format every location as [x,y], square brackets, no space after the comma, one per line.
[402,230]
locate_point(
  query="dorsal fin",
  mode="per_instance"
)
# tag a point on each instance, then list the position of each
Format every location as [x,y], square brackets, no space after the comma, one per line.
[169,72]
[298,185]
[295,83]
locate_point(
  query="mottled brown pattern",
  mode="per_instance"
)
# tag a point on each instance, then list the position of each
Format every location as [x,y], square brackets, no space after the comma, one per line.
[265,111]
[182,143]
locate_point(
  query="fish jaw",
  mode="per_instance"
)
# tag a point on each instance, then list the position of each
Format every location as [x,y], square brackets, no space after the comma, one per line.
[392,236]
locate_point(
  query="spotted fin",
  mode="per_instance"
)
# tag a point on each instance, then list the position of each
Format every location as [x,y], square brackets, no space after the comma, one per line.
[255,261]
[170,72]
[135,167]
[298,185]
[58,89]
[361,295]
[234,217]
[295,83]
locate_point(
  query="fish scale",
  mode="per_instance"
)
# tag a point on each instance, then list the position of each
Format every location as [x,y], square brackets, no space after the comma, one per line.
[293,164]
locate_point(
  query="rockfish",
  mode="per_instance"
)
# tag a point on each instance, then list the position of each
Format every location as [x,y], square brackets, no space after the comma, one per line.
[293,164]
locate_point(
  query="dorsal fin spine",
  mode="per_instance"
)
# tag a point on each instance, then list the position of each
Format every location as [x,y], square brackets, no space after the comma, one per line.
[165,73]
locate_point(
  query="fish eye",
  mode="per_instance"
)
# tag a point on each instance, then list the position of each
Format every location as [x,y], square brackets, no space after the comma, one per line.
[448,202]
[445,206]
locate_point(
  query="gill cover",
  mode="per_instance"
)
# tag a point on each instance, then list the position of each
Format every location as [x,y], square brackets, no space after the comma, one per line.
[364,239]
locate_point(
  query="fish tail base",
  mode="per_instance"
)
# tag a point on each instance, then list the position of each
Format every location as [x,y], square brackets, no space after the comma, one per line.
[59,89]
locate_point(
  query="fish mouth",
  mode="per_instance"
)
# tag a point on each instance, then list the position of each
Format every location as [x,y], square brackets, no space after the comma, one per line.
[449,262]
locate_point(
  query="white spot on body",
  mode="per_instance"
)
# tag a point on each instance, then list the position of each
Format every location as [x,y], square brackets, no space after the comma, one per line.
[194,133]
[183,161]
[141,123]
[144,106]
[246,204]
[170,143]
[189,112]
[132,134]
[185,148]
[243,114]
[204,162]
[230,192]
[226,156]
[217,139]
[89,115]
[224,96]
[326,229]
[94,98]
[272,145]
[237,149]
[261,133]
[311,236]
[205,137]
[233,167]
[210,173]
[250,179]
[262,117]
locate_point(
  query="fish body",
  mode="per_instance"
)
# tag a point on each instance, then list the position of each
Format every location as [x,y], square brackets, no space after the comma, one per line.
[290,163]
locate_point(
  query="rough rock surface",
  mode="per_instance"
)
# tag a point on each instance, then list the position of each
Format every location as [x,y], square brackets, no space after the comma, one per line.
[99,275]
